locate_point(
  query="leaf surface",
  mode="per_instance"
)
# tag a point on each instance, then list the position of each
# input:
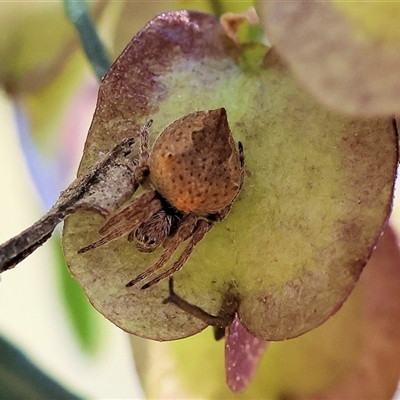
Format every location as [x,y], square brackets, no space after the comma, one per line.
[317,190]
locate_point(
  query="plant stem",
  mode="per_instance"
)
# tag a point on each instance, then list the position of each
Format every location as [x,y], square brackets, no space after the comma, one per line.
[78,13]
[217,8]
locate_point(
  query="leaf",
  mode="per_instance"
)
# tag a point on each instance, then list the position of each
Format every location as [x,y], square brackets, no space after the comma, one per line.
[27,65]
[20,379]
[243,352]
[376,372]
[317,191]
[353,355]
[346,54]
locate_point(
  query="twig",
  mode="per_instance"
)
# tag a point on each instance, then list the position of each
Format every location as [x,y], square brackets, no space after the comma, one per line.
[104,188]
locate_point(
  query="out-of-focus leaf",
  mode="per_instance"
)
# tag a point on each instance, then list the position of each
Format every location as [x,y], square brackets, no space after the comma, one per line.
[347,54]
[39,46]
[21,380]
[85,321]
[317,191]
[45,108]
[354,355]
[374,20]
[34,44]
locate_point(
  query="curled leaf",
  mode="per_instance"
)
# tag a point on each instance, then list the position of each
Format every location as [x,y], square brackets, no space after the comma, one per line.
[231,22]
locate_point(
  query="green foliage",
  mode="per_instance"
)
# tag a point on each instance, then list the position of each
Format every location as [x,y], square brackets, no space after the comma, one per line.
[21,380]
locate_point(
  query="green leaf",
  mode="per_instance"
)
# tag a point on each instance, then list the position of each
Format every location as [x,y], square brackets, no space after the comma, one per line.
[20,379]
[317,190]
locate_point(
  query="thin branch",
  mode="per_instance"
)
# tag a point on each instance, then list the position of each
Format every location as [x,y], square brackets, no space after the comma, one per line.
[104,188]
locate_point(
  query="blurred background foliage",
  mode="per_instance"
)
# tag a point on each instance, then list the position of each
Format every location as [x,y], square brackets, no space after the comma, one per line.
[49,88]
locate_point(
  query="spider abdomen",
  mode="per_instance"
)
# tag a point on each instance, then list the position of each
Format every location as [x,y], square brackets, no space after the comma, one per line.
[195,164]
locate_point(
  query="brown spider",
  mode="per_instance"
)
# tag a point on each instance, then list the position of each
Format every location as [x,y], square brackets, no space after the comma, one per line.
[193,174]
[219,322]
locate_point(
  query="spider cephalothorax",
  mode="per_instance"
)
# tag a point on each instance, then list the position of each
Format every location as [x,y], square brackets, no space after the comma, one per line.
[152,233]
[195,172]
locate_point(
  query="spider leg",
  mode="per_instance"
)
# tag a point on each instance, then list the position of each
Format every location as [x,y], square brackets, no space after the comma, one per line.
[141,209]
[222,320]
[143,167]
[199,232]
[144,144]
[241,157]
[183,232]
[131,212]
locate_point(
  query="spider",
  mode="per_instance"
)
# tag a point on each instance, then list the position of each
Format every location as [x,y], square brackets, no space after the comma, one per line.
[191,178]
[219,322]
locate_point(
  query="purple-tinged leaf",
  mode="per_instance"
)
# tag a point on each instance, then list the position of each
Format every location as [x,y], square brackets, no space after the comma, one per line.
[243,352]
[318,188]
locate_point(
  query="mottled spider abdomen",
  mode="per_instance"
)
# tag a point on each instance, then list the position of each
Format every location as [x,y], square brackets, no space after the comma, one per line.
[195,164]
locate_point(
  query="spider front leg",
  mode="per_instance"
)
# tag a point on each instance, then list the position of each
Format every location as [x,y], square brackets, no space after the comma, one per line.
[128,219]
[190,226]
[143,167]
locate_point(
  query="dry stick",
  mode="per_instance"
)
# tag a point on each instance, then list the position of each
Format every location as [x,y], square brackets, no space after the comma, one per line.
[104,188]
[21,246]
